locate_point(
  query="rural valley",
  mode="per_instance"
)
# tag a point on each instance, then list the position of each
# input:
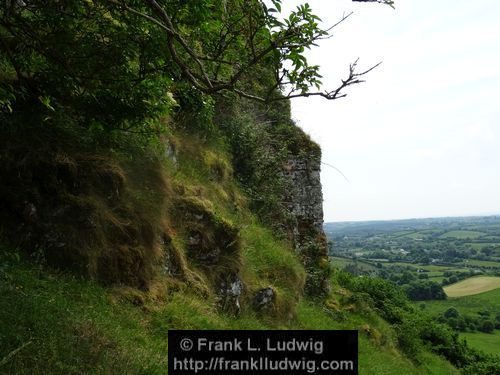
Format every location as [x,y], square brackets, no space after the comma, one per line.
[448,267]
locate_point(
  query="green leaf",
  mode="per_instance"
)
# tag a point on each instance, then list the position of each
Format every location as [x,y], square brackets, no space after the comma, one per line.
[45,100]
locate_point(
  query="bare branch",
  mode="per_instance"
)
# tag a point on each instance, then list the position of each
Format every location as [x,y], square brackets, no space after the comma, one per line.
[352,79]
[289,41]
[344,17]
[386,2]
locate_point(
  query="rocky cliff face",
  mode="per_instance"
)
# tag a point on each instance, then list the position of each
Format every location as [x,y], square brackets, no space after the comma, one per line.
[305,198]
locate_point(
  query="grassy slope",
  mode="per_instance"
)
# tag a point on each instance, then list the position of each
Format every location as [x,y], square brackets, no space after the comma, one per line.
[472,285]
[76,326]
[56,323]
[487,342]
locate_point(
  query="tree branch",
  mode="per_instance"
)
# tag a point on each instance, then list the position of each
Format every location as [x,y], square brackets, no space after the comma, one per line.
[290,39]
[386,2]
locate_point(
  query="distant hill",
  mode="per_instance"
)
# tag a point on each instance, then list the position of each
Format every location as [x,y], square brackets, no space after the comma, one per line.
[381,226]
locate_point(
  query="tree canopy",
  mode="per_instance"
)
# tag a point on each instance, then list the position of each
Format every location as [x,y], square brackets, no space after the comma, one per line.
[119,63]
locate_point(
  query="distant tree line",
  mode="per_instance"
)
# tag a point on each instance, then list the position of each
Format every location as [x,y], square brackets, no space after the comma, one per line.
[483,321]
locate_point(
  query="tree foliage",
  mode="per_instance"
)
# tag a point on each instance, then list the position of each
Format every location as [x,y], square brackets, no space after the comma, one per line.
[239,39]
[118,64]
[422,290]
[80,58]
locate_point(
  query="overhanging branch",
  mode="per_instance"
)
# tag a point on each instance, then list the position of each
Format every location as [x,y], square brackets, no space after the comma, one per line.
[289,41]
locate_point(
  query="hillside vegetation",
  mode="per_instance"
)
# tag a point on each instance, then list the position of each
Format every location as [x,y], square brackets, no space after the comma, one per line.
[476,317]
[145,186]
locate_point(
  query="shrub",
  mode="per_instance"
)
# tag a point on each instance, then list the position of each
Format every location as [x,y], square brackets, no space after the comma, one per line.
[487,326]
[451,313]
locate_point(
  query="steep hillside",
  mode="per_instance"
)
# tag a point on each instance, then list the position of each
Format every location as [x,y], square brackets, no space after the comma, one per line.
[152,179]
[168,239]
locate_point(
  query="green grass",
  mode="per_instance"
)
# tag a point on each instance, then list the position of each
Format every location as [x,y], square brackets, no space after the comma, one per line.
[472,285]
[377,354]
[487,342]
[73,326]
[493,238]
[467,305]
[479,246]
[434,270]
[428,267]
[402,233]
[482,263]
[462,234]
[419,234]
[414,235]
[340,263]
[471,305]
[66,325]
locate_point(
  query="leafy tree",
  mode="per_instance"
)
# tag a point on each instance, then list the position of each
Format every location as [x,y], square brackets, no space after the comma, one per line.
[451,313]
[110,65]
[424,290]
[488,251]
[236,39]
[487,326]
[82,62]
[461,324]
[453,322]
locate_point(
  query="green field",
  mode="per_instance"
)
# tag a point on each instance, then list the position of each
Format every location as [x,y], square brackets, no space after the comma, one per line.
[419,234]
[471,305]
[495,239]
[487,342]
[434,272]
[472,285]
[480,245]
[462,234]
[482,263]
[427,267]
[467,305]
[402,233]
[414,235]
[340,263]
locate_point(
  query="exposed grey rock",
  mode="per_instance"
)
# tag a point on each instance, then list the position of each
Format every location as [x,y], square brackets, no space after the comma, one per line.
[194,239]
[264,297]
[165,241]
[54,240]
[231,289]
[304,198]
[171,153]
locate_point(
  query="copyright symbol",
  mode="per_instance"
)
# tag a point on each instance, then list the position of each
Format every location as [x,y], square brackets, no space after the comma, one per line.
[186,345]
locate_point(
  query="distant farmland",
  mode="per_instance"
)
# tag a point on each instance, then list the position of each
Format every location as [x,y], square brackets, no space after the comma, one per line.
[470,306]
[462,234]
[473,285]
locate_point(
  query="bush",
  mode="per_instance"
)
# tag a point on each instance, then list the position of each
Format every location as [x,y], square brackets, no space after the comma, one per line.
[487,326]
[451,313]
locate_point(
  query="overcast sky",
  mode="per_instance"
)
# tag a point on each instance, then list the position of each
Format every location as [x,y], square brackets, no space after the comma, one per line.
[421,138]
